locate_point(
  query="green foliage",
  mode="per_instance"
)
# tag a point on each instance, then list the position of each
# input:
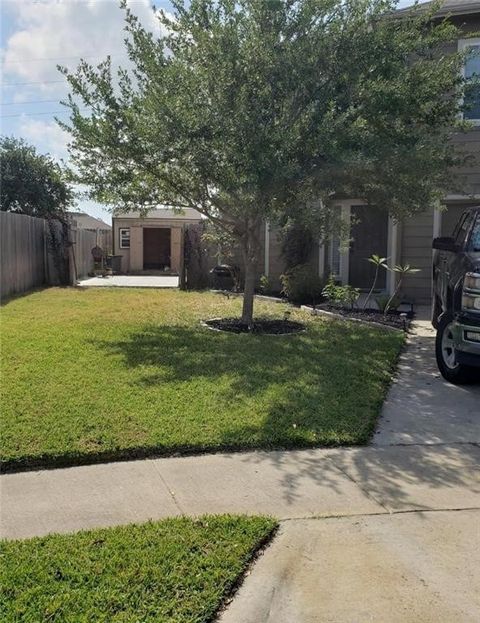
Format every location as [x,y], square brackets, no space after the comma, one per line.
[343,296]
[302,285]
[177,570]
[402,271]
[32,183]
[251,110]
[378,262]
[99,372]
[382,300]
[264,284]
[297,243]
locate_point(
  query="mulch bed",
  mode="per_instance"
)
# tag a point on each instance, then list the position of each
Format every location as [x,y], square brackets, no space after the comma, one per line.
[393,318]
[260,326]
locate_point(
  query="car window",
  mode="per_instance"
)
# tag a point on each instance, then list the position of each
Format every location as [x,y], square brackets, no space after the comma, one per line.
[462,229]
[475,237]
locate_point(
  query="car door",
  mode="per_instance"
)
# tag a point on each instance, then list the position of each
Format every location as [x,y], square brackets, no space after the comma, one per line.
[455,266]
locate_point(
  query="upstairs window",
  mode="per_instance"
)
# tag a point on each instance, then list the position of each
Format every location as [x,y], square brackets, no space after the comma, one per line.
[471,72]
[124,238]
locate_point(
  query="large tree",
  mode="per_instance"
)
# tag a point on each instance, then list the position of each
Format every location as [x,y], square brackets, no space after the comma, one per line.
[248,110]
[32,183]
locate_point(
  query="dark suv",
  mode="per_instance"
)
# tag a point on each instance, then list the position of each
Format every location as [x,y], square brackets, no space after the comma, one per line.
[456,300]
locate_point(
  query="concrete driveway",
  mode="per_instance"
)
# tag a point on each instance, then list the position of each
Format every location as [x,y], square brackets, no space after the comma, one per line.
[416,564]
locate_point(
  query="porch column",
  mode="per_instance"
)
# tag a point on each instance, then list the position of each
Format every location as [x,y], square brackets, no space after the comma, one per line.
[175,249]
[321,259]
[393,249]
[345,245]
[136,248]
[266,268]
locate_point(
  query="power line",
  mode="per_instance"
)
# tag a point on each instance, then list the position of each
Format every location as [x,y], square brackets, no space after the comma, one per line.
[34,114]
[60,58]
[29,102]
[21,84]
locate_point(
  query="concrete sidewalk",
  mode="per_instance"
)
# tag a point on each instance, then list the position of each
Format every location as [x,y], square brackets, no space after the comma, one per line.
[288,485]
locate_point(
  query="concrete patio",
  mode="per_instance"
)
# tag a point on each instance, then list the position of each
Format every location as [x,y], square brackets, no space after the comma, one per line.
[131,281]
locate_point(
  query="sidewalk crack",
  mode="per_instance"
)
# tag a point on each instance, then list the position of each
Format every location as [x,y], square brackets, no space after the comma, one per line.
[170,492]
[362,489]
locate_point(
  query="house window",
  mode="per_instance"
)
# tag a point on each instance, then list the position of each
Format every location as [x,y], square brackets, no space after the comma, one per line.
[471,71]
[125,238]
[334,257]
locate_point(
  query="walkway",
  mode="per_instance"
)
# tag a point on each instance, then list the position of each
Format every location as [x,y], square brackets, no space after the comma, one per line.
[388,532]
[131,281]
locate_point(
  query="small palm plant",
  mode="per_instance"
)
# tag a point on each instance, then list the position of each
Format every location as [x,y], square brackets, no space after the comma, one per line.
[406,269]
[378,262]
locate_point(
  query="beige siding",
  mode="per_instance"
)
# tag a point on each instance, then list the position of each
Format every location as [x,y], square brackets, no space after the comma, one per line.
[416,250]
[132,259]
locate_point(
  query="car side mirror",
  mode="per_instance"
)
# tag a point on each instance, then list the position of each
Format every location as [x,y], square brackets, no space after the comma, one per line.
[445,244]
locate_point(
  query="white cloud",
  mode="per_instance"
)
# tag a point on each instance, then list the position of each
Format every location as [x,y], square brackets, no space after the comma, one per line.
[45,133]
[62,31]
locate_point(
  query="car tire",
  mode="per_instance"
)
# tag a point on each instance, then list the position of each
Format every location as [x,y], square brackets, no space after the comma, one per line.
[446,357]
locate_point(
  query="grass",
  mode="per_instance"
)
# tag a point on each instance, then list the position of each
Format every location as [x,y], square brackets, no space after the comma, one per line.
[91,375]
[175,570]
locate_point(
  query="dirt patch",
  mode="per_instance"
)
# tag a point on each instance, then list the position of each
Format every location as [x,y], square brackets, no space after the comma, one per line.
[260,326]
[399,320]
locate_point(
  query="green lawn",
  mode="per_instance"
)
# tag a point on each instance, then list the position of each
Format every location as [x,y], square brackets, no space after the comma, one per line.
[94,374]
[175,571]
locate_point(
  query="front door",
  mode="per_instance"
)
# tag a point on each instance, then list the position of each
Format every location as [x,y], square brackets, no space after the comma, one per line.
[156,248]
[369,236]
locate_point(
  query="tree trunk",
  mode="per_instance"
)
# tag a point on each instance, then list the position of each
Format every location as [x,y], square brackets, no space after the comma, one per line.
[250,248]
[249,290]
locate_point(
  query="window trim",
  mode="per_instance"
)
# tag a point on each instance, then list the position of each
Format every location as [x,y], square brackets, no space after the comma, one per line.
[120,240]
[462,45]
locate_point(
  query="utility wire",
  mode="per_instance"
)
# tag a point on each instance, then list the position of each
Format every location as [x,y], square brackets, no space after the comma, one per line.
[34,114]
[20,84]
[29,102]
[60,58]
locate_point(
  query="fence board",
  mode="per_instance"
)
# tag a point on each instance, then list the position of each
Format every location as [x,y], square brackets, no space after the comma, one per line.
[22,253]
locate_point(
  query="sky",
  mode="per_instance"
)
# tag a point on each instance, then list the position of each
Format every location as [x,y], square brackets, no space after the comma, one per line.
[36,35]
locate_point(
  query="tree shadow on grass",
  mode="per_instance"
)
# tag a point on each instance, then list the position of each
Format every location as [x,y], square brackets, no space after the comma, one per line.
[323,386]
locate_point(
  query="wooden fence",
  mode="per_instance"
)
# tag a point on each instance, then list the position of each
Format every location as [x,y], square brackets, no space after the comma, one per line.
[23,253]
[27,259]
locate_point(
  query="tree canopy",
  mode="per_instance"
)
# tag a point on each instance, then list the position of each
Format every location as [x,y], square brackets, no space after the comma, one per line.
[32,183]
[250,110]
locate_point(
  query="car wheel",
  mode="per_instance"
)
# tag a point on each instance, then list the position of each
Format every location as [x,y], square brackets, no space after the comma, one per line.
[446,355]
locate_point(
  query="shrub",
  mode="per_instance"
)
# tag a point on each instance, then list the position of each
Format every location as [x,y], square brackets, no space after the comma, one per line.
[301,285]
[264,285]
[382,301]
[342,296]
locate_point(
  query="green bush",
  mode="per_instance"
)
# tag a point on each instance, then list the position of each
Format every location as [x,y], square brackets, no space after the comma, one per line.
[382,302]
[301,285]
[343,296]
